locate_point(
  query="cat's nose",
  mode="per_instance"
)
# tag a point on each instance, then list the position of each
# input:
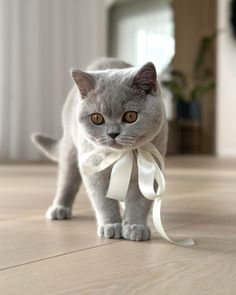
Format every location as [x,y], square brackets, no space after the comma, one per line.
[113,134]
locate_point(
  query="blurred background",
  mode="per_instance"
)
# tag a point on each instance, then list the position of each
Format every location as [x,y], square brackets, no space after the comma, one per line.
[192,43]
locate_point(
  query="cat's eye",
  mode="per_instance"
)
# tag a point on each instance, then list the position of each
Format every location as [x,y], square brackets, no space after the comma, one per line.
[130,117]
[97,119]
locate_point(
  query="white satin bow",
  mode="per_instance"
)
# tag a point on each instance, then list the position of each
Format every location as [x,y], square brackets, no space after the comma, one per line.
[148,173]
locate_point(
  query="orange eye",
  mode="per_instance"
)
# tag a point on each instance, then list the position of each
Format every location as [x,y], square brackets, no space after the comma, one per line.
[97,119]
[130,117]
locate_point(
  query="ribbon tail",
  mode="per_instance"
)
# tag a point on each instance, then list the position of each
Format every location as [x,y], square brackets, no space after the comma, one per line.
[159,227]
[120,177]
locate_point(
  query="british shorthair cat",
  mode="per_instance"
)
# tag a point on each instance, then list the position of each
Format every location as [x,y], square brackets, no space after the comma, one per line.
[115,106]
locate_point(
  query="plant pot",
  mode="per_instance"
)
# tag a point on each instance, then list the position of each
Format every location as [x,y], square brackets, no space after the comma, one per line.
[190,110]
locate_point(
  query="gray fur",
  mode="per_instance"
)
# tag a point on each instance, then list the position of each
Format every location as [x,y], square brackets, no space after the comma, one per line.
[110,92]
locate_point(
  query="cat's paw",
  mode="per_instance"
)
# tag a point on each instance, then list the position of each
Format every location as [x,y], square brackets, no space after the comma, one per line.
[110,231]
[136,232]
[58,212]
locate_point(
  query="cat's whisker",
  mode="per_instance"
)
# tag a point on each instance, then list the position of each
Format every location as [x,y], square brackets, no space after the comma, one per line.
[128,137]
[102,140]
[126,141]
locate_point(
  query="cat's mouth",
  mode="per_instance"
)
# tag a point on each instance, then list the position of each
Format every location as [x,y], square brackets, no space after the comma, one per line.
[124,142]
[115,145]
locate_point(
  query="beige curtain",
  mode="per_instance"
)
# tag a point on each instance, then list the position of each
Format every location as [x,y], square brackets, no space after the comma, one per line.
[39,41]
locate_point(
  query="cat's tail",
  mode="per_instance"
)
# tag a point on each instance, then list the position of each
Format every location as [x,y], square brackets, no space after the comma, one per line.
[49,146]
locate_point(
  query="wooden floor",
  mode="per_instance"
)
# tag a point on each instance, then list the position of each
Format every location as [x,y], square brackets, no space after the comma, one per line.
[38,256]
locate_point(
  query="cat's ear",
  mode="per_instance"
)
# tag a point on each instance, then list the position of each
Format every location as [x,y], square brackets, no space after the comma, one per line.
[145,79]
[83,80]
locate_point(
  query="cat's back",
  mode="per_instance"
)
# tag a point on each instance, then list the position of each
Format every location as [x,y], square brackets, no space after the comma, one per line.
[107,63]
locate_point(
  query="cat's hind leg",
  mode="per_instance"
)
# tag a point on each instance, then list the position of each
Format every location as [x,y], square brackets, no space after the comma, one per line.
[68,183]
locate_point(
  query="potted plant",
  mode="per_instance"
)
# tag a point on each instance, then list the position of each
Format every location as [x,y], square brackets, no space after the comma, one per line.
[188,90]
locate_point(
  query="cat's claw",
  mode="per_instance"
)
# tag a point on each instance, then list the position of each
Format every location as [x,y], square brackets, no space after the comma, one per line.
[110,231]
[58,212]
[136,232]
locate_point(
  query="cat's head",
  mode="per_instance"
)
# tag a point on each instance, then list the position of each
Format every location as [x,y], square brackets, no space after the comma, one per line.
[119,108]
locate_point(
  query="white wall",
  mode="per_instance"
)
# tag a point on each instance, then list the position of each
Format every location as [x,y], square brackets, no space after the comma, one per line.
[40,41]
[226,84]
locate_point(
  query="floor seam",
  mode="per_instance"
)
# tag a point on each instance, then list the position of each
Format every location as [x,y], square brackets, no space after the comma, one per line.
[108,244]
[56,256]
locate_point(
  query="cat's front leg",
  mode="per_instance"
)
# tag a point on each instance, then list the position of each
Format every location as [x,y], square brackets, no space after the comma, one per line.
[134,224]
[107,210]
[68,183]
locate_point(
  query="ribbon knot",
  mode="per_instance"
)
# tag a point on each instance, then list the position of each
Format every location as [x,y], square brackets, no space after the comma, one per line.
[151,179]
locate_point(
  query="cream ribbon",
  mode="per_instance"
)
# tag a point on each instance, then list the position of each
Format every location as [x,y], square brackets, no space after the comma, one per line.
[148,173]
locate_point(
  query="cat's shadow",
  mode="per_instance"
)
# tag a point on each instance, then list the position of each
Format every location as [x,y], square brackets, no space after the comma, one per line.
[83,218]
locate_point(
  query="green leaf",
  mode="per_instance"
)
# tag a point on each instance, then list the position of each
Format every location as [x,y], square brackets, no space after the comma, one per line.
[205,44]
[176,89]
[179,77]
[200,90]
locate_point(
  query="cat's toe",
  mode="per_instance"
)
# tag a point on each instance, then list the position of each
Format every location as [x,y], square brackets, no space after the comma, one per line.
[58,212]
[110,231]
[136,232]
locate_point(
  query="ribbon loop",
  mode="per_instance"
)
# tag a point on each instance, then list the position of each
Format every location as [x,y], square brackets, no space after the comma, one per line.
[149,173]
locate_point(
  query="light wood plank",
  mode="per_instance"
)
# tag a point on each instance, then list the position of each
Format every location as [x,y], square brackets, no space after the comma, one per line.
[28,190]
[193,195]
[154,267]
[34,238]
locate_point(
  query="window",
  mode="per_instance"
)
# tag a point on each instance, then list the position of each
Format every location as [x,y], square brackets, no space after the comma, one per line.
[141,31]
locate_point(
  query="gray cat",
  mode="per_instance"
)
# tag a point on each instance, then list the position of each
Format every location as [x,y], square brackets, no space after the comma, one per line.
[120,107]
